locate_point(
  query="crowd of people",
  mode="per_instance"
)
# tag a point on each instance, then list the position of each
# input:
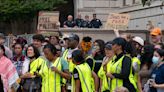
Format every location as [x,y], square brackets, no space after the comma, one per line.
[82,23]
[50,64]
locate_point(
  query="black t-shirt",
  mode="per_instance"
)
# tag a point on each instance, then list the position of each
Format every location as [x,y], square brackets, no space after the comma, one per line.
[78,22]
[76,74]
[96,23]
[125,72]
[69,23]
[86,24]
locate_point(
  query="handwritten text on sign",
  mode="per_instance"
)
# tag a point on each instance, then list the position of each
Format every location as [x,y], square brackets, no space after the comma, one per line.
[48,20]
[118,21]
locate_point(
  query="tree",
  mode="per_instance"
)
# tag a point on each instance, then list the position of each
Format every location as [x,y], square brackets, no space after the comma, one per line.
[16,12]
[25,9]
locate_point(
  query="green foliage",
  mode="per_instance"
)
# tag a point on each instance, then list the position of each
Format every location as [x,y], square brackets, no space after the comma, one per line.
[25,9]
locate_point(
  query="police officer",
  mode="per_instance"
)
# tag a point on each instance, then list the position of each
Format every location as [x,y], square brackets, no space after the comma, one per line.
[96,23]
[69,22]
[86,23]
[78,21]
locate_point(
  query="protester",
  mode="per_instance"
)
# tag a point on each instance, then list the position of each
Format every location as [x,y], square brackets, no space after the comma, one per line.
[98,49]
[38,39]
[109,55]
[51,71]
[27,79]
[69,23]
[86,22]
[159,46]
[157,79]
[96,23]
[19,60]
[73,42]
[86,47]
[120,69]
[138,43]
[146,63]
[98,53]
[8,72]
[81,74]
[156,36]
[78,21]
[54,40]
[8,52]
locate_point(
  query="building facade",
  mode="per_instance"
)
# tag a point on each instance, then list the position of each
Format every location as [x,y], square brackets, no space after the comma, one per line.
[140,16]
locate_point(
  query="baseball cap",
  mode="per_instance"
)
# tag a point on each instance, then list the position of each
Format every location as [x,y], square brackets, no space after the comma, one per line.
[156,31]
[108,45]
[139,40]
[74,37]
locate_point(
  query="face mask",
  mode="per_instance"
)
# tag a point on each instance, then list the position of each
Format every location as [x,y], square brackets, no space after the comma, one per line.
[155,59]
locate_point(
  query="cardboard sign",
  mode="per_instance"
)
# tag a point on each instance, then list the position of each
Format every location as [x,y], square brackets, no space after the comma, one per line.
[48,20]
[117,21]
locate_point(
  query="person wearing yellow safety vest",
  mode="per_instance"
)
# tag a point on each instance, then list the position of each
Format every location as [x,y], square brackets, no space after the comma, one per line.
[86,47]
[104,85]
[32,53]
[73,42]
[137,45]
[81,74]
[51,70]
[120,70]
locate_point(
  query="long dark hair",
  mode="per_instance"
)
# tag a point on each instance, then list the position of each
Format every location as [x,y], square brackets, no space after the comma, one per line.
[36,51]
[126,46]
[146,56]
[101,44]
[160,52]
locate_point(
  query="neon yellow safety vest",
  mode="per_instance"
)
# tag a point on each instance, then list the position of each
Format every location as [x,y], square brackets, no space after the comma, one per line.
[71,65]
[36,64]
[102,76]
[92,79]
[90,57]
[51,81]
[85,75]
[65,54]
[136,60]
[115,67]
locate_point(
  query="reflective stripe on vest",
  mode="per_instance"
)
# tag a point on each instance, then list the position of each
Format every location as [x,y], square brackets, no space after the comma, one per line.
[85,75]
[65,54]
[93,61]
[51,80]
[116,68]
